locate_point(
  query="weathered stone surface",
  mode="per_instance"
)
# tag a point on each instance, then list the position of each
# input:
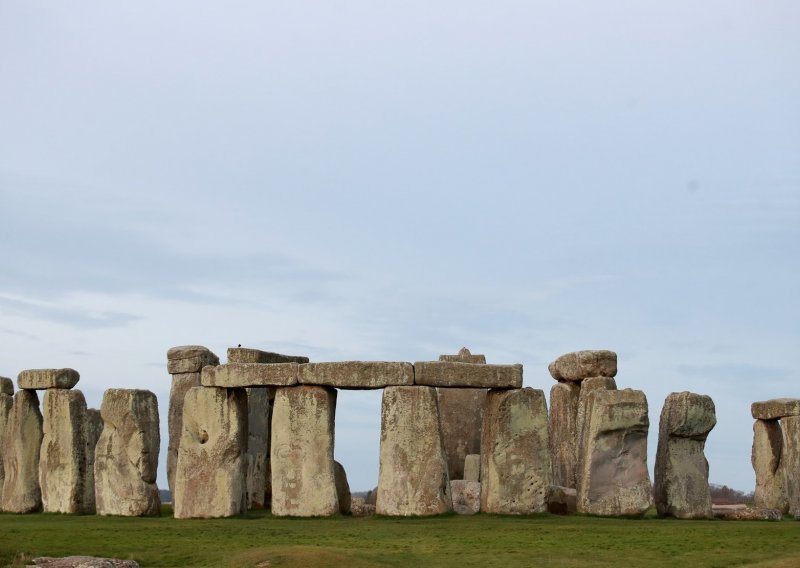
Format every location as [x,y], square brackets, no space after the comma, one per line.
[62,461]
[41,379]
[21,447]
[562,500]
[6,386]
[126,455]
[466,496]
[564,399]
[303,476]
[681,472]
[413,479]
[181,383]
[259,416]
[6,404]
[241,375]
[587,387]
[745,513]
[357,374]
[472,467]
[360,508]
[515,453]
[83,562]
[766,459]
[372,496]
[464,356]
[210,479]
[775,408]
[94,427]
[580,365]
[342,488]
[612,461]
[790,462]
[247,355]
[467,375]
[189,359]
[461,415]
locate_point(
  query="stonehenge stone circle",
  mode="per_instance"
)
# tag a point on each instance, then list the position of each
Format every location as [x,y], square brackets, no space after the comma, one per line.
[775,409]
[612,461]
[212,464]
[466,496]
[342,488]
[248,355]
[303,471]
[515,454]
[563,442]
[181,383]
[767,451]
[21,447]
[357,374]
[259,416]
[472,467]
[412,479]
[126,455]
[681,471]
[467,375]
[189,359]
[243,375]
[41,379]
[580,365]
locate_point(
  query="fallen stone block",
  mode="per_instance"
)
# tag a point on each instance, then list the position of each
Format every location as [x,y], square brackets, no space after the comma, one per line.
[464,356]
[562,500]
[41,379]
[189,359]
[580,365]
[247,355]
[342,488]
[466,496]
[775,408]
[472,467]
[181,383]
[246,375]
[23,441]
[83,562]
[357,374]
[461,415]
[745,513]
[766,457]
[467,375]
[564,399]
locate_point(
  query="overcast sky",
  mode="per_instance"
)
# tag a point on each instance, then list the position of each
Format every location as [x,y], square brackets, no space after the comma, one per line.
[396,180]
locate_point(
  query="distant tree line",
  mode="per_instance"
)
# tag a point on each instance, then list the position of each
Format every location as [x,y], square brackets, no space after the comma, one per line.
[724,495]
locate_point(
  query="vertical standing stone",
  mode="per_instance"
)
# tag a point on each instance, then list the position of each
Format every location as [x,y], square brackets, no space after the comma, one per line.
[472,467]
[94,427]
[564,399]
[413,479]
[259,416]
[303,475]
[126,454]
[587,387]
[766,457]
[612,461]
[23,442]
[6,404]
[790,462]
[342,488]
[210,480]
[515,457]
[681,472]
[62,462]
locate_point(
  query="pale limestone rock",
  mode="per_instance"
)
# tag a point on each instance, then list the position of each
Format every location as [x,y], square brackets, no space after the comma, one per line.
[472,467]
[466,496]
[62,461]
[189,359]
[467,375]
[580,365]
[612,461]
[6,386]
[41,379]
[564,399]
[94,427]
[243,375]
[303,476]
[342,488]
[259,415]
[357,374]
[181,383]
[23,442]
[562,500]
[126,455]
[766,460]
[681,472]
[6,404]
[464,356]
[790,462]
[461,415]
[210,478]
[745,513]
[83,562]
[515,454]
[775,409]
[413,478]
[247,355]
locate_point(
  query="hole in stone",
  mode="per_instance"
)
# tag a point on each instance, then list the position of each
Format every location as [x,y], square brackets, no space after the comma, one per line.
[203,437]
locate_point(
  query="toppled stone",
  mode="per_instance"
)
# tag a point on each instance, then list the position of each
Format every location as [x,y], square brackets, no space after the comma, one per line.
[241,375]
[189,359]
[766,456]
[464,356]
[790,462]
[259,416]
[62,461]
[303,476]
[41,379]
[413,478]
[210,474]
[562,500]
[94,427]
[342,488]
[23,441]
[745,513]
[775,408]
[580,365]
[466,496]
[472,467]
[461,415]
[612,461]
[126,455]
[6,386]
[564,399]
[359,508]
[357,374]
[515,454]
[447,374]
[6,404]
[681,472]
[247,355]
[83,562]
[181,383]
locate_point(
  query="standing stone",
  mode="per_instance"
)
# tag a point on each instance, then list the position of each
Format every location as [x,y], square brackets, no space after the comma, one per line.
[210,480]
[6,386]
[23,442]
[6,403]
[62,462]
[303,476]
[681,473]
[563,442]
[259,415]
[587,387]
[94,428]
[612,461]
[413,479]
[472,467]
[790,462]
[181,383]
[766,457]
[342,488]
[515,454]
[461,413]
[126,455]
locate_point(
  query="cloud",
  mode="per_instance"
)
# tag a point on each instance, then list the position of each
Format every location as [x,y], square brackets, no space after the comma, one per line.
[73,317]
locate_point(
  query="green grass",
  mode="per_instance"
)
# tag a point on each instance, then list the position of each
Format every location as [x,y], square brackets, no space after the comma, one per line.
[259,540]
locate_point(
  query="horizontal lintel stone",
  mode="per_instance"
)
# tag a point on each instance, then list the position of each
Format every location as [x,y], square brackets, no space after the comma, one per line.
[248,355]
[580,365]
[775,409]
[467,375]
[40,379]
[189,359]
[357,374]
[240,375]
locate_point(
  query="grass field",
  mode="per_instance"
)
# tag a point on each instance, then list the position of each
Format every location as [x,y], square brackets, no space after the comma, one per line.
[259,540]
